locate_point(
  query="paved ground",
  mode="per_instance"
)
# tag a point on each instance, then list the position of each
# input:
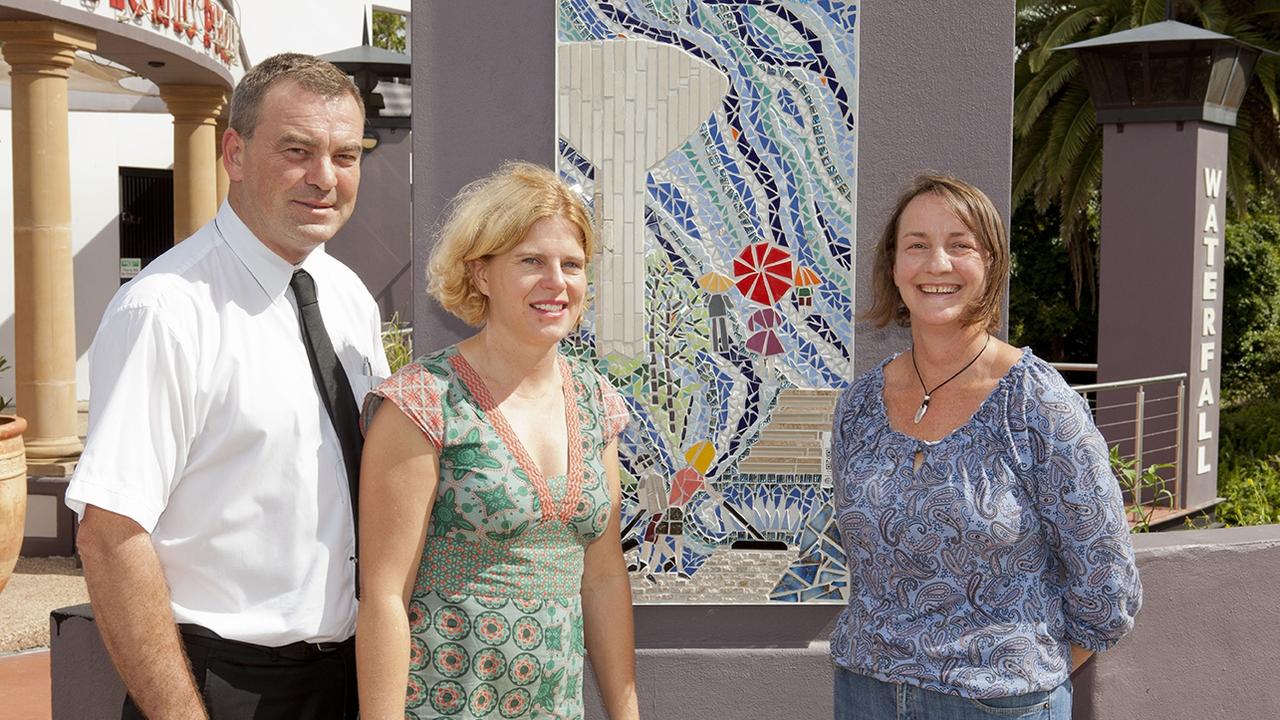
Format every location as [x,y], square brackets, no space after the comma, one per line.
[24,686]
[38,585]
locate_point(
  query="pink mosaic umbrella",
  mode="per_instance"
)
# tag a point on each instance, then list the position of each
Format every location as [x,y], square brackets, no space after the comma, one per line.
[762,272]
[764,340]
[686,482]
[763,319]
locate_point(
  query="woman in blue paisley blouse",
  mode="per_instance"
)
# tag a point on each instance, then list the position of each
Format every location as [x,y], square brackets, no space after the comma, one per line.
[988,549]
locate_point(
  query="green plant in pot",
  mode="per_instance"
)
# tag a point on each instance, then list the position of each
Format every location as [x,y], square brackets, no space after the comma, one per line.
[13,485]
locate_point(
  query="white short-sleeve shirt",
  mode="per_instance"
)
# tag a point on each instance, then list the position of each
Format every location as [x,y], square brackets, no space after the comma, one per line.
[207,428]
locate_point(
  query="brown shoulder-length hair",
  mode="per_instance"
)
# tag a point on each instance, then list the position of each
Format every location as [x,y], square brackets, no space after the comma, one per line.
[979,215]
[489,217]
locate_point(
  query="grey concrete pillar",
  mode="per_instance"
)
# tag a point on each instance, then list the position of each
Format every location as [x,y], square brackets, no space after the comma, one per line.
[1160,304]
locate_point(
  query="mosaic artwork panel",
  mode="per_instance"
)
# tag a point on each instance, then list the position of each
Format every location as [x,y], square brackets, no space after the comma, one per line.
[715,143]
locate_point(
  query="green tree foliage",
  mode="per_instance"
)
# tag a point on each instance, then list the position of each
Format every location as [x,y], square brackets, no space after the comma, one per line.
[1249,464]
[1057,142]
[1042,314]
[390,30]
[1250,329]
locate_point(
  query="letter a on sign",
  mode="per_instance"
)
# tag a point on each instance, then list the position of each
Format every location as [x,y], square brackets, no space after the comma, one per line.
[1211,219]
[1206,394]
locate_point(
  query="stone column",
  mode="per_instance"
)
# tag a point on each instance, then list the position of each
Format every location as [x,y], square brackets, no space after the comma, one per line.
[224,182]
[195,110]
[39,53]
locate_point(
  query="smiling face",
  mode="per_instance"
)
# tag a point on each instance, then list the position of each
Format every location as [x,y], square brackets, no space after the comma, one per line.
[294,182]
[939,268]
[536,289]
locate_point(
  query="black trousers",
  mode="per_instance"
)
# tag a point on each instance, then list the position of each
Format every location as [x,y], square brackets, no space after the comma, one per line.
[240,681]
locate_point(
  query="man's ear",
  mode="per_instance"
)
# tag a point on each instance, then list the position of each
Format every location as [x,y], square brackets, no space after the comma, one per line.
[479,271]
[233,154]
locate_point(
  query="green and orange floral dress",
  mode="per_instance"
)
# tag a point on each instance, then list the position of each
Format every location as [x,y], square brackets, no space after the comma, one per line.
[496,613]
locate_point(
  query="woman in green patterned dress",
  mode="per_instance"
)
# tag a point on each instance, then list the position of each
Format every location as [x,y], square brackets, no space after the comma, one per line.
[489,550]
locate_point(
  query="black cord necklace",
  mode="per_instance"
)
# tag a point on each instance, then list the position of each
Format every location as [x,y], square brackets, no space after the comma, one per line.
[928,394]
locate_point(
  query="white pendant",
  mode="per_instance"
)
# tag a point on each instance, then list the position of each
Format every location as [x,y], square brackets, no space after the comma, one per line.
[924,408]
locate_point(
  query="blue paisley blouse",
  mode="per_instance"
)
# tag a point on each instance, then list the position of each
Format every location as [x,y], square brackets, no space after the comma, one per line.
[972,574]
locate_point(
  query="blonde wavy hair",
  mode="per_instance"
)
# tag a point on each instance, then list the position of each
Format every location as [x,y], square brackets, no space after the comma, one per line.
[489,217]
[980,217]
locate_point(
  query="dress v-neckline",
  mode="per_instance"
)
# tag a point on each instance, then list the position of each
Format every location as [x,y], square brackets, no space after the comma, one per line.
[551,510]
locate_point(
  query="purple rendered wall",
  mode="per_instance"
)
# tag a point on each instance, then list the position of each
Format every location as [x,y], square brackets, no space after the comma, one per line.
[1207,642]
[935,93]
[483,92]
[1206,645]
[376,241]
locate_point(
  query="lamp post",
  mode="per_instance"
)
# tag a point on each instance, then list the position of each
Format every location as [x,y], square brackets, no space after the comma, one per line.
[1166,95]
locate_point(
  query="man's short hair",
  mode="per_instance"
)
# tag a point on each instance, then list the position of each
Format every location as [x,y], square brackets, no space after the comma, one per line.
[489,217]
[311,73]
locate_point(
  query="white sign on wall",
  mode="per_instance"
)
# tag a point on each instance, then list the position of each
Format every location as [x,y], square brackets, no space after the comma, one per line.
[1209,279]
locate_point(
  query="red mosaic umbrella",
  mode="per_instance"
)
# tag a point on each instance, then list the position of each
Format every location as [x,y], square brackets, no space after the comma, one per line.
[762,272]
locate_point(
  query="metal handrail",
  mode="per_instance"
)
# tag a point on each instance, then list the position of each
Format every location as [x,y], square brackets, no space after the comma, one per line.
[1140,418]
[1121,384]
[1074,367]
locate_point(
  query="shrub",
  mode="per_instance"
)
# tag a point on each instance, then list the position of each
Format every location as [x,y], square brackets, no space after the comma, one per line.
[1249,464]
[1146,488]
[397,341]
[1043,309]
[1250,329]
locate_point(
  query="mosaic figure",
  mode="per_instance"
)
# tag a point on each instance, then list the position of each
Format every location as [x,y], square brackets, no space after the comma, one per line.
[805,281]
[719,306]
[652,506]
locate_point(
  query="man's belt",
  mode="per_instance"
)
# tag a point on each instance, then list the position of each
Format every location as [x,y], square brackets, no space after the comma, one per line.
[293,651]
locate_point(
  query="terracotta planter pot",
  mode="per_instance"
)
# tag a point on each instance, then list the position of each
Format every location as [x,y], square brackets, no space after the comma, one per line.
[13,493]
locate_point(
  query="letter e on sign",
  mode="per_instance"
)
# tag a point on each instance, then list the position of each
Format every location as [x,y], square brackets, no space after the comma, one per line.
[1209,291]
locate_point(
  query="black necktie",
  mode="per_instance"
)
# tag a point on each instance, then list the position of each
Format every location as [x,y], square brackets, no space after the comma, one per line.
[335,389]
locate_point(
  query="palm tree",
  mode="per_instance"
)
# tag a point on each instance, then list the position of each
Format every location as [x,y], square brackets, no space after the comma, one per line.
[1057,149]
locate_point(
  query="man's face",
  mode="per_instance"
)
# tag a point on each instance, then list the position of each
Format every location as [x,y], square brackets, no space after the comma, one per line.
[294,182]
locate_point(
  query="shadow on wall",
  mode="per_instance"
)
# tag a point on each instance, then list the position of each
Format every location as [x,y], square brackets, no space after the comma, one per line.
[97,277]
[377,241]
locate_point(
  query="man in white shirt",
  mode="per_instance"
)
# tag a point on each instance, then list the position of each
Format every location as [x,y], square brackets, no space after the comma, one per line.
[217,528]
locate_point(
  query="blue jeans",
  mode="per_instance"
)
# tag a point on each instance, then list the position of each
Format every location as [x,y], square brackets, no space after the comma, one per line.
[859,697]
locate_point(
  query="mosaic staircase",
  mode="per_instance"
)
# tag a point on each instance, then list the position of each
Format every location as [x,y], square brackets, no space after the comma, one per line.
[793,441]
